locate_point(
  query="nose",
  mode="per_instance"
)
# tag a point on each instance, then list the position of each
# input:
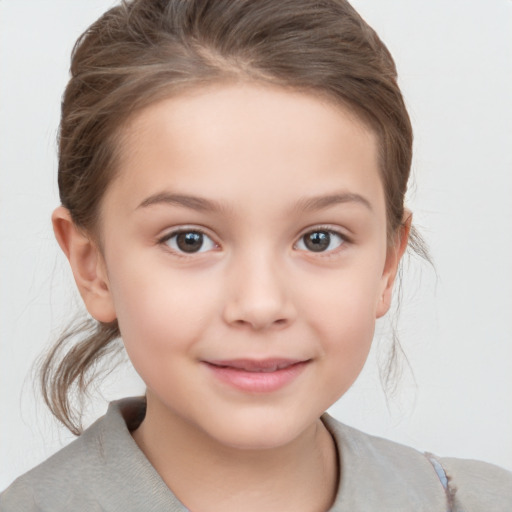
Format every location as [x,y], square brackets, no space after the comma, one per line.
[258,296]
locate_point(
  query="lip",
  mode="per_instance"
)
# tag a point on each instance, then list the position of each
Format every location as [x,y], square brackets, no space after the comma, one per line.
[257,376]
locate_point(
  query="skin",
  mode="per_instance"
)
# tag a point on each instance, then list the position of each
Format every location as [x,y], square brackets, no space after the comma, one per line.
[254,290]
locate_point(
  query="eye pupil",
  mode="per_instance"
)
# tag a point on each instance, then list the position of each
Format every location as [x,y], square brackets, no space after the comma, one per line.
[190,241]
[317,241]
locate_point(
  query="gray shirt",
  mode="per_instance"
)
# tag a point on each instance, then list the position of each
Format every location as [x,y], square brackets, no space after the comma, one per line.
[105,470]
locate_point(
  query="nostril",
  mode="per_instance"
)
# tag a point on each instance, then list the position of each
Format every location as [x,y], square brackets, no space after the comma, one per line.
[257,310]
[259,325]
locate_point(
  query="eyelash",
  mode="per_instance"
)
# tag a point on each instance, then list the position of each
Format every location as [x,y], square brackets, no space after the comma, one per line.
[165,239]
[317,229]
[325,229]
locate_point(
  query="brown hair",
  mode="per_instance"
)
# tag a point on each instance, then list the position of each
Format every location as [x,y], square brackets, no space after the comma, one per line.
[145,50]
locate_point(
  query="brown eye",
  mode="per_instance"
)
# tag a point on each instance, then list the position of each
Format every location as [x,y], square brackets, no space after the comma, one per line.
[320,241]
[190,242]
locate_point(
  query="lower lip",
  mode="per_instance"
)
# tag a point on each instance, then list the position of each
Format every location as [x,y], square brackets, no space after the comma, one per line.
[257,382]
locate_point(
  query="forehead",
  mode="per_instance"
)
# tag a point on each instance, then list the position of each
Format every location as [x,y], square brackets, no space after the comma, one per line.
[244,140]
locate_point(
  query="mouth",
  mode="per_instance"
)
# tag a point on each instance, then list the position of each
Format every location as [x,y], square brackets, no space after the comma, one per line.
[256,366]
[257,376]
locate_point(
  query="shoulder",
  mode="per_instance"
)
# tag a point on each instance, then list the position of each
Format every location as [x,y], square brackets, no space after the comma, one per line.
[52,483]
[478,485]
[101,470]
[403,476]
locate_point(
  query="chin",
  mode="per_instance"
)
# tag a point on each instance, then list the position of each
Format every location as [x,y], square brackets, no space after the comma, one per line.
[258,433]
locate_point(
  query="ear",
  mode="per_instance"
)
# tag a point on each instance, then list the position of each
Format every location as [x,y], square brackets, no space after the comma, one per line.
[394,255]
[87,264]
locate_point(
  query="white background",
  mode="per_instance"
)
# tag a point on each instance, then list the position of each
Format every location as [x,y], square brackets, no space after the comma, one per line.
[455,63]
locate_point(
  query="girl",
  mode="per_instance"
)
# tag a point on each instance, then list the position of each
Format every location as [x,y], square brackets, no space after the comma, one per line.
[232,178]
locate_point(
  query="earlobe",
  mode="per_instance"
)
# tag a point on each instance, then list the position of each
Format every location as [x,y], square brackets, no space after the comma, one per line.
[87,265]
[394,255]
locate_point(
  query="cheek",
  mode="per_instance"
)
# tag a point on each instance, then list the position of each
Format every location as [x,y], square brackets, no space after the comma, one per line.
[346,329]
[160,313]
[346,300]
[342,311]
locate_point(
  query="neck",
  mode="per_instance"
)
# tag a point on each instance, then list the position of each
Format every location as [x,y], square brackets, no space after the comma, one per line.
[209,476]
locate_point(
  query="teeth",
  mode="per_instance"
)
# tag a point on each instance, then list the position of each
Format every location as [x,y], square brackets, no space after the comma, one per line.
[267,369]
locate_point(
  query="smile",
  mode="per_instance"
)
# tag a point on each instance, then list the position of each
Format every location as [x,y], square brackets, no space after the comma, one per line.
[257,376]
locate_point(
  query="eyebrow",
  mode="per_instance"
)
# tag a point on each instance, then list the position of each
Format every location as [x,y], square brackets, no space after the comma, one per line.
[325,201]
[208,205]
[192,202]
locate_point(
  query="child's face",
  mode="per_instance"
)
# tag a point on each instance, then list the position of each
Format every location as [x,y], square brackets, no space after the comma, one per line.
[281,257]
